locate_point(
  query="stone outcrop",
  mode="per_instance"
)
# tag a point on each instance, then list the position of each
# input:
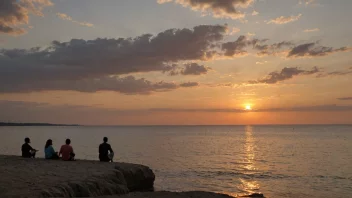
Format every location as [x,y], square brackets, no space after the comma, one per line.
[20,177]
[55,178]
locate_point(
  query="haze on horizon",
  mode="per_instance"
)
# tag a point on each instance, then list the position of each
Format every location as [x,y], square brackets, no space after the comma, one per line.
[176,62]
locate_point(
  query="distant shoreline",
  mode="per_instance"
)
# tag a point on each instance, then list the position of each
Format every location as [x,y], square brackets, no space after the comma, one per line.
[34,124]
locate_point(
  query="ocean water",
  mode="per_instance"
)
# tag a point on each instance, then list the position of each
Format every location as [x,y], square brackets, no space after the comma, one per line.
[278,161]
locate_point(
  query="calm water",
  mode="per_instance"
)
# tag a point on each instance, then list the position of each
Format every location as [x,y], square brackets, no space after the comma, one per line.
[279,161]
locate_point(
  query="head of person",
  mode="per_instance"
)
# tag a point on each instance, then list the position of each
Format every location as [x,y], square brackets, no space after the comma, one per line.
[48,143]
[105,139]
[27,140]
[68,141]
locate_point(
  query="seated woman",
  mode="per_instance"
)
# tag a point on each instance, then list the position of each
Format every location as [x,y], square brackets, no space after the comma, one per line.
[49,150]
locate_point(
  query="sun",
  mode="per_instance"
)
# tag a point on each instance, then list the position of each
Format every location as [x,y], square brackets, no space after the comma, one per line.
[248,107]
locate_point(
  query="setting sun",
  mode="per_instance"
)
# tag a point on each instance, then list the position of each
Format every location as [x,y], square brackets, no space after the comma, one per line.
[248,107]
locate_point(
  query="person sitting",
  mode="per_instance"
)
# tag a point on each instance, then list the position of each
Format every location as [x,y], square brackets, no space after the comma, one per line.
[27,150]
[49,150]
[104,149]
[66,151]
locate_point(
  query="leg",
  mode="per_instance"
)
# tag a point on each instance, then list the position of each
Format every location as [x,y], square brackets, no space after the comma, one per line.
[55,156]
[33,154]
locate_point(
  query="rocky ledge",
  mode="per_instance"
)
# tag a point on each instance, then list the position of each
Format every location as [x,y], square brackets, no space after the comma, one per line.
[20,177]
[55,178]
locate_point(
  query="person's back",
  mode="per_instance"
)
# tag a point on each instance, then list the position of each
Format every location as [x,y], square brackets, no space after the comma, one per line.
[104,149]
[67,151]
[27,150]
[49,150]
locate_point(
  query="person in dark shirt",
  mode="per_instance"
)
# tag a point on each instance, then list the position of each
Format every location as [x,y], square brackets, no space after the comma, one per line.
[27,150]
[104,150]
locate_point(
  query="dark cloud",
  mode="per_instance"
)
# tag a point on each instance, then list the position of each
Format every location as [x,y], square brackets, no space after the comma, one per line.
[85,60]
[313,49]
[237,48]
[335,73]
[125,85]
[240,46]
[189,84]
[16,12]
[219,8]
[345,98]
[188,69]
[270,49]
[318,108]
[243,43]
[194,69]
[285,74]
[21,111]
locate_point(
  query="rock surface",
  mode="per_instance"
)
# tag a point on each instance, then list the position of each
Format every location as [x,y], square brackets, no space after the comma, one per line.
[55,178]
[162,194]
[20,177]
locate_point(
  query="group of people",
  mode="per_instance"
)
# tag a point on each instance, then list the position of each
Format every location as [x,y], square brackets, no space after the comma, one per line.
[66,153]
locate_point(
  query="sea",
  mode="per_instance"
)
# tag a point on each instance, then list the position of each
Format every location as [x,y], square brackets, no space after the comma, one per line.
[279,161]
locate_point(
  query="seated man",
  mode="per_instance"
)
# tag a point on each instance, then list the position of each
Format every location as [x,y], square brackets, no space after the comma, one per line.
[104,149]
[67,151]
[27,150]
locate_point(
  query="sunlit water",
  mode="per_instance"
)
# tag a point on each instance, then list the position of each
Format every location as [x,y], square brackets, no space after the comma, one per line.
[278,161]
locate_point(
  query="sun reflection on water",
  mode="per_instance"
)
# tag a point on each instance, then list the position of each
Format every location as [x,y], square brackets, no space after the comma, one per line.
[249,185]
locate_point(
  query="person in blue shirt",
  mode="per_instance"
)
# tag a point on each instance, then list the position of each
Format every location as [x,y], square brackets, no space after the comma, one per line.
[49,150]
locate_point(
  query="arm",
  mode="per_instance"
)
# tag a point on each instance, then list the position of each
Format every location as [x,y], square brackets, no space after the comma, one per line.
[52,151]
[110,149]
[72,150]
[32,149]
[60,151]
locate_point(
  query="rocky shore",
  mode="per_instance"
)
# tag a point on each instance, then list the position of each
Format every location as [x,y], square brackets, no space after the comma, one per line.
[22,177]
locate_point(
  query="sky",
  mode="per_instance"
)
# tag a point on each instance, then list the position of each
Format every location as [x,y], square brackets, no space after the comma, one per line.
[176,62]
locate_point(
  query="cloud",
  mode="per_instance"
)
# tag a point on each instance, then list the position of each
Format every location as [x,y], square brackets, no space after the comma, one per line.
[255,13]
[284,20]
[237,48]
[189,84]
[125,85]
[317,108]
[219,9]
[313,50]
[346,98]
[64,16]
[25,70]
[194,69]
[14,13]
[188,69]
[261,62]
[335,73]
[285,74]
[312,30]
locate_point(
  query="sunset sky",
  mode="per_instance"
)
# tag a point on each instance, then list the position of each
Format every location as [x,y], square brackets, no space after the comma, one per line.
[173,62]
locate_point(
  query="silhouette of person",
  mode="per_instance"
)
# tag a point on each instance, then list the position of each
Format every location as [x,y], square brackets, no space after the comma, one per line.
[66,151]
[27,150]
[104,149]
[49,150]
